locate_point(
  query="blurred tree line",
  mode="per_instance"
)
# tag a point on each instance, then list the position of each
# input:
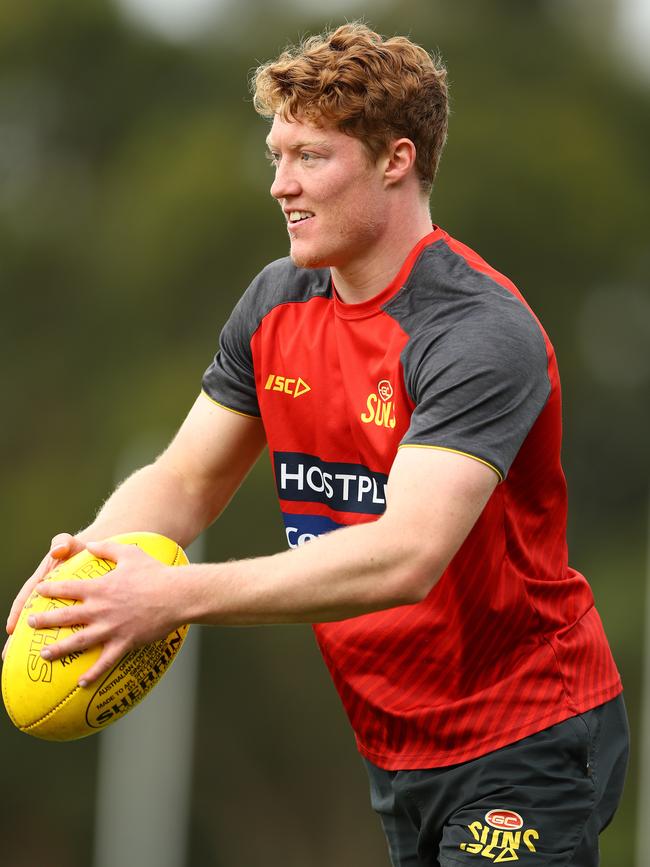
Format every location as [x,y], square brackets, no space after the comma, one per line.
[134,209]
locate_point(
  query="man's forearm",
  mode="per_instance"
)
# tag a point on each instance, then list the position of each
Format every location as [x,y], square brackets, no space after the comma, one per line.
[392,561]
[352,571]
[155,499]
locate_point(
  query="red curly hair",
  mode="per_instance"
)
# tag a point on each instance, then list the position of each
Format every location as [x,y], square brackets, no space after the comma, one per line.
[372,88]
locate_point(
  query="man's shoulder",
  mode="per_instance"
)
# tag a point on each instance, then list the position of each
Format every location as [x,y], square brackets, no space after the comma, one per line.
[281,280]
[452,289]
[460,313]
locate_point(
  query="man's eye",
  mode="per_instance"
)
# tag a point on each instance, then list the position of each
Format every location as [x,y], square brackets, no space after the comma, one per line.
[273,158]
[306,157]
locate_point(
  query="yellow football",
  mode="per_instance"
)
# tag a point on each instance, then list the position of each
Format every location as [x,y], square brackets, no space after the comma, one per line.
[43,698]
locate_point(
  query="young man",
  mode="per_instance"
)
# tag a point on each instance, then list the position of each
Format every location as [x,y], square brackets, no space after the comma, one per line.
[411,404]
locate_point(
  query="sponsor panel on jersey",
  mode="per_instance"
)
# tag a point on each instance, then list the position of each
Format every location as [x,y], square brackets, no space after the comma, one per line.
[343,487]
[500,837]
[303,528]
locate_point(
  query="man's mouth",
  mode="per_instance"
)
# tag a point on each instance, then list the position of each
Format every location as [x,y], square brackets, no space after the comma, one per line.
[300,216]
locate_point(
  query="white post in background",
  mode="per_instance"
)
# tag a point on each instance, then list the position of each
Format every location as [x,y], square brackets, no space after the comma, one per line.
[643,804]
[144,775]
[142,808]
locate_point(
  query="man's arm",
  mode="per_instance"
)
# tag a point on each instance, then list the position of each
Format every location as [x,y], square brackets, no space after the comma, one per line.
[178,495]
[191,482]
[434,498]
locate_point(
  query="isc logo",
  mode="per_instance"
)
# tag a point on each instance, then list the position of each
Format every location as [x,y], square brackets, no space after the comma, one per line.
[287,385]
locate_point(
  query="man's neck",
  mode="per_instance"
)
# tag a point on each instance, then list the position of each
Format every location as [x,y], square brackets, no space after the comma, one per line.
[373,271]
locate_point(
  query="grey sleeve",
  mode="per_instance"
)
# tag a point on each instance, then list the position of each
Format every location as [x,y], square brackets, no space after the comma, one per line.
[478,387]
[230,378]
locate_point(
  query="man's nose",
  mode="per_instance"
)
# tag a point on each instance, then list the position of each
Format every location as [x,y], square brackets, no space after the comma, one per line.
[285,183]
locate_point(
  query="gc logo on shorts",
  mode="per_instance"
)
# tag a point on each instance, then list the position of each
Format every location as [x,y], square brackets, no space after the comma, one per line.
[539,802]
[501,837]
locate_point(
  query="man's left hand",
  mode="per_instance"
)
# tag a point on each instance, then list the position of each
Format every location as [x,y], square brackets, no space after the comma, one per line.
[124,609]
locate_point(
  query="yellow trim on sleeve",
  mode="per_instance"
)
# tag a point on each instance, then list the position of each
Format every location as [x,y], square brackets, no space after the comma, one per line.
[453,451]
[229,408]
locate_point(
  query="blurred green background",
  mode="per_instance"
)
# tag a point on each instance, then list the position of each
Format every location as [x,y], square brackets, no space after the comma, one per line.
[134,209]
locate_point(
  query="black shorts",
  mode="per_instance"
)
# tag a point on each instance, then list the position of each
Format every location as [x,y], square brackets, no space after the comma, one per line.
[538,802]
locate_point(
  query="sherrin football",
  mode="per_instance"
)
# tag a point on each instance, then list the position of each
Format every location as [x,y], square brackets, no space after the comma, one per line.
[43,697]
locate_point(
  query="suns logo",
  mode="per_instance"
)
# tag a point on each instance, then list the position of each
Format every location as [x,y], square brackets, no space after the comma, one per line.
[380,407]
[502,838]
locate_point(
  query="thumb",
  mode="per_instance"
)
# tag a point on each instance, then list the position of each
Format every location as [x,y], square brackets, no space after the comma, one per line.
[107,549]
[63,545]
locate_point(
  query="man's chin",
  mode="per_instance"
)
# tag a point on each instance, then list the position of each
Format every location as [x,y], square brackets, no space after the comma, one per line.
[307,259]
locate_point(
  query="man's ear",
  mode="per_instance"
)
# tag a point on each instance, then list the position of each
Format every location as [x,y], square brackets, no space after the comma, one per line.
[399,161]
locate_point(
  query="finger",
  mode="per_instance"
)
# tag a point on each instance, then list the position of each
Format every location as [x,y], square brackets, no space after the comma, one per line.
[17,607]
[109,550]
[69,615]
[22,597]
[62,546]
[74,589]
[82,640]
[78,640]
[110,655]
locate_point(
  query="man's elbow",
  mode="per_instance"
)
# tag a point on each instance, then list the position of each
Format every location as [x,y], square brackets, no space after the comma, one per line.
[416,579]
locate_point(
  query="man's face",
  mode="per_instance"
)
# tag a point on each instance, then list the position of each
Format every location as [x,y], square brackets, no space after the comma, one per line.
[332,195]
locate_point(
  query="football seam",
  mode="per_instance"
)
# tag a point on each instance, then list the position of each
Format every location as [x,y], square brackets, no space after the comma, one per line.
[51,711]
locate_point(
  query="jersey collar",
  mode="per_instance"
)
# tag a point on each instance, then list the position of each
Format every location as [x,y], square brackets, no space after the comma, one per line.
[373,305]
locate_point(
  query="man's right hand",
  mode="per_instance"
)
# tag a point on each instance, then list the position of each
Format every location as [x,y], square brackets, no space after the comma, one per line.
[62,546]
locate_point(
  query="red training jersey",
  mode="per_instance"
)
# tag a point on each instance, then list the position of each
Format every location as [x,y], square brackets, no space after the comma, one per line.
[449,356]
